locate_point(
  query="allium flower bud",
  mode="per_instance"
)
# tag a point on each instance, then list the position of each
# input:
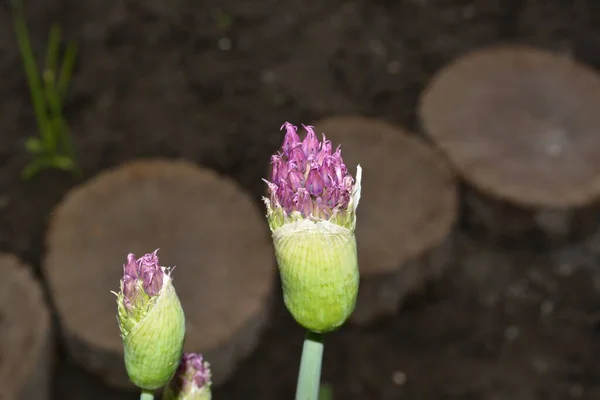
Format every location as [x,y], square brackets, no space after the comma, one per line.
[311,211]
[151,320]
[192,381]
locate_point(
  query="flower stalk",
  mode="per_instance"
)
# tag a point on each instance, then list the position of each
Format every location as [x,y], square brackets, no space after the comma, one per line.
[311,211]
[309,377]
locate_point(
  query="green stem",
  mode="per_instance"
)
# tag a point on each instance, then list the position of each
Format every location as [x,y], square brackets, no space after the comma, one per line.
[309,378]
[147,395]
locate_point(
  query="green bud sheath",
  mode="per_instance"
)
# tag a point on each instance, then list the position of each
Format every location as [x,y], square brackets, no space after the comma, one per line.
[319,272]
[153,347]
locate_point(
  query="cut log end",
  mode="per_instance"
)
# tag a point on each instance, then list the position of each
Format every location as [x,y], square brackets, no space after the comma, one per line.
[204,224]
[26,346]
[504,117]
[501,222]
[382,295]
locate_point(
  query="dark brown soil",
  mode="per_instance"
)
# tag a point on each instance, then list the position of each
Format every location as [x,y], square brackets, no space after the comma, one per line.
[212,82]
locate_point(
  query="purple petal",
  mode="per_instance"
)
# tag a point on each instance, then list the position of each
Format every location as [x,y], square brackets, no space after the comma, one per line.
[314,182]
[279,168]
[291,138]
[151,273]
[271,186]
[339,171]
[327,172]
[148,260]
[285,196]
[129,288]
[344,199]
[131,268]
[309,177]
[303,202]
[310,145]
[296,180]
[128,304]
[325,150]
[331,196]
[297,158]
[347,183]
[152,280]
[321,210]
[192,370]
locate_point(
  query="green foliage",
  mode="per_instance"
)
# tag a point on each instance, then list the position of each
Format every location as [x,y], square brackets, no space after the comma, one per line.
[53,147]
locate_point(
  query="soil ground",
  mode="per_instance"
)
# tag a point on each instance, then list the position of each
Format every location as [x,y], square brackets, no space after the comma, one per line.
[212,82]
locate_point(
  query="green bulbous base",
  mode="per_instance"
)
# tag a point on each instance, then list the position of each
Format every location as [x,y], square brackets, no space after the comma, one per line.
[319,272]
[153,348]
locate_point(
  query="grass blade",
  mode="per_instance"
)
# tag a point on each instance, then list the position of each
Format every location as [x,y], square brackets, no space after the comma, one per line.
[32,74]
[53,49]
[66,70]
[54,107]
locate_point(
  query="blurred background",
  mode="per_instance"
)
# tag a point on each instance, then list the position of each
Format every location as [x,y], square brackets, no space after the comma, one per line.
[211,82]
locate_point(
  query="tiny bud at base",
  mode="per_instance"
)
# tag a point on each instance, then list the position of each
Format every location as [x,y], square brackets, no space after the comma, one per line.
[319,272]
[203,393]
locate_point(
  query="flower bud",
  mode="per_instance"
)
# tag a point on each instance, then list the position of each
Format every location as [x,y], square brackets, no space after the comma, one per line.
[151,321]
[311,211]
[192,381]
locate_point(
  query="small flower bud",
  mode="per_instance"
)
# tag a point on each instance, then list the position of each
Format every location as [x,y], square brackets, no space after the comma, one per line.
[314,182]
[151,321]
[310,145]
[312,216]
[291,138]
[192,381]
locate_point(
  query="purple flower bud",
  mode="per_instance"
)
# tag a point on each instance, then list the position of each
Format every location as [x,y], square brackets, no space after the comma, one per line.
[151,273]
[325,150]
[148,260]
[285,195]
[314,182]
[321,210]
[273,192]
[303,202]
[327,172]
[279,169]
[337,171]
[296,180]
[331,196]
[129,287]
[131,268]
[291,138]
[344,198]
[152,281]
[347,182]
[309,179]
[310,145]
[145,270]
[298,158]
[193,376]
[130,293]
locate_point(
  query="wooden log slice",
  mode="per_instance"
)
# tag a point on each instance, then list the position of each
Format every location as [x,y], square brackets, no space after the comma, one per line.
[26,346]
[203,224]
[406,213]
[520,126]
